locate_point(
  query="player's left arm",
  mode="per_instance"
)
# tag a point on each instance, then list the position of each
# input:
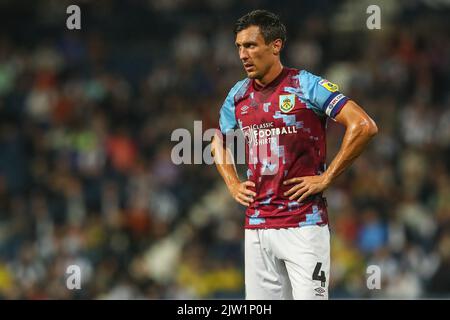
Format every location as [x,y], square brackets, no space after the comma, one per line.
[360,129]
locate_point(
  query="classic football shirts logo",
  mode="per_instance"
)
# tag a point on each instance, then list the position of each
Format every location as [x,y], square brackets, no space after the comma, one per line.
[265,133]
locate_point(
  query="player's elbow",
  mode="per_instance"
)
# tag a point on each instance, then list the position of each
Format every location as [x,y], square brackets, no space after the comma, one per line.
[368,128]
[216,146]
[372,129]
[365,127]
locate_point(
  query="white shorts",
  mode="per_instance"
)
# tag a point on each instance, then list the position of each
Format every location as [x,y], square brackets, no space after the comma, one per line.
[292,263]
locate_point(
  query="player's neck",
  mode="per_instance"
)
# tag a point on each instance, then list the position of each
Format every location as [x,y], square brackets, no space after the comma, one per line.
[273,73]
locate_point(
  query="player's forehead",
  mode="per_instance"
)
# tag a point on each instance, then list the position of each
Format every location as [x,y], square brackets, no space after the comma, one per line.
[250,34]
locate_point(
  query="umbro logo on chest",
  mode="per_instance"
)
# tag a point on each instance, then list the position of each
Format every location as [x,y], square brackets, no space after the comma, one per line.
[244,109]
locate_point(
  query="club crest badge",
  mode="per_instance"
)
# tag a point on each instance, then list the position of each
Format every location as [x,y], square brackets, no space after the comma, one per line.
[286,102]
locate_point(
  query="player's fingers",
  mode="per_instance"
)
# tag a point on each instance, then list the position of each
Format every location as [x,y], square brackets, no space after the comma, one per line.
[244,198]
[292,180]
[249,193]
[249,183]
[248,198]
[305,195]
[292,190]
[241,201]
[246,191]
[295,188]
[298,193]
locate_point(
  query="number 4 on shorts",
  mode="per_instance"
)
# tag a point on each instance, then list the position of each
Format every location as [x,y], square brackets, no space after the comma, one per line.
[319,275]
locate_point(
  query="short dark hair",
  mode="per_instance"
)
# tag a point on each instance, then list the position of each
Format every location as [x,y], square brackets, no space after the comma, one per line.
[269,24]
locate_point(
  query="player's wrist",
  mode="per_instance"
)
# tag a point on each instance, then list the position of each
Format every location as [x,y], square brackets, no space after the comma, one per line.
[327,178]
[233,185]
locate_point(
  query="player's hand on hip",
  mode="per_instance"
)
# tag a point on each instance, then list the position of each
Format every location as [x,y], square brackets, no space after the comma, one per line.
[305,186]
[241,194]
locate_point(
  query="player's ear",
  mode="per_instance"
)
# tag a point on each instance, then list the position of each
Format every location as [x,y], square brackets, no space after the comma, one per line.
[276,46]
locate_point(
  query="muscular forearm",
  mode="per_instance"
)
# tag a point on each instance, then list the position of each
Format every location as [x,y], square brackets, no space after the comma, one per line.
[360,128]
[356,137]
[224,162]
[225,165]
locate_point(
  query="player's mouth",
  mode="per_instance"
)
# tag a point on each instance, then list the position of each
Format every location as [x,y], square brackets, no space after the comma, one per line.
[248,67]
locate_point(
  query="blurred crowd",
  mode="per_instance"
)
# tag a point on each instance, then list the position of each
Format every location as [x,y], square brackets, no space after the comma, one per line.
[86,176]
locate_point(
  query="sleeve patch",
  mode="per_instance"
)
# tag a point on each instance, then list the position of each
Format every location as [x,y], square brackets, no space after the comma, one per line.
[329,85]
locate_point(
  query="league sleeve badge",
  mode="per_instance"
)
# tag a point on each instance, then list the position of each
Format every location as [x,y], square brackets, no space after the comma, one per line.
[329,85]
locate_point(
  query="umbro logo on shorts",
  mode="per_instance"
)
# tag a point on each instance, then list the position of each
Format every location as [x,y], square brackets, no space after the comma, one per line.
[320,291]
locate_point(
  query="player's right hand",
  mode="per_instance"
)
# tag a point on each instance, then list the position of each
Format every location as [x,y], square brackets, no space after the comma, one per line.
[241,194]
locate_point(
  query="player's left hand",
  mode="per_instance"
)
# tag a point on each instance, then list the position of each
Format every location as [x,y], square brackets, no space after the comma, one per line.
[306,186]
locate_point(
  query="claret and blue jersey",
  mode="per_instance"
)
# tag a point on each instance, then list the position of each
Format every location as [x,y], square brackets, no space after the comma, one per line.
[284,124]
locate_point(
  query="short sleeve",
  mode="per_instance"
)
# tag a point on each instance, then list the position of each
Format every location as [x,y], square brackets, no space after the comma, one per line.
[322,95]
[227,119]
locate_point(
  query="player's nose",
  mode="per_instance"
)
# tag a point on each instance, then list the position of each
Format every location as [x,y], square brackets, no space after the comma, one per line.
[243,54]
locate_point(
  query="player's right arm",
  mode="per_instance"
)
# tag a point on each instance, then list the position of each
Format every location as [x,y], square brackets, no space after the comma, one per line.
[223,156]
[224,161]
